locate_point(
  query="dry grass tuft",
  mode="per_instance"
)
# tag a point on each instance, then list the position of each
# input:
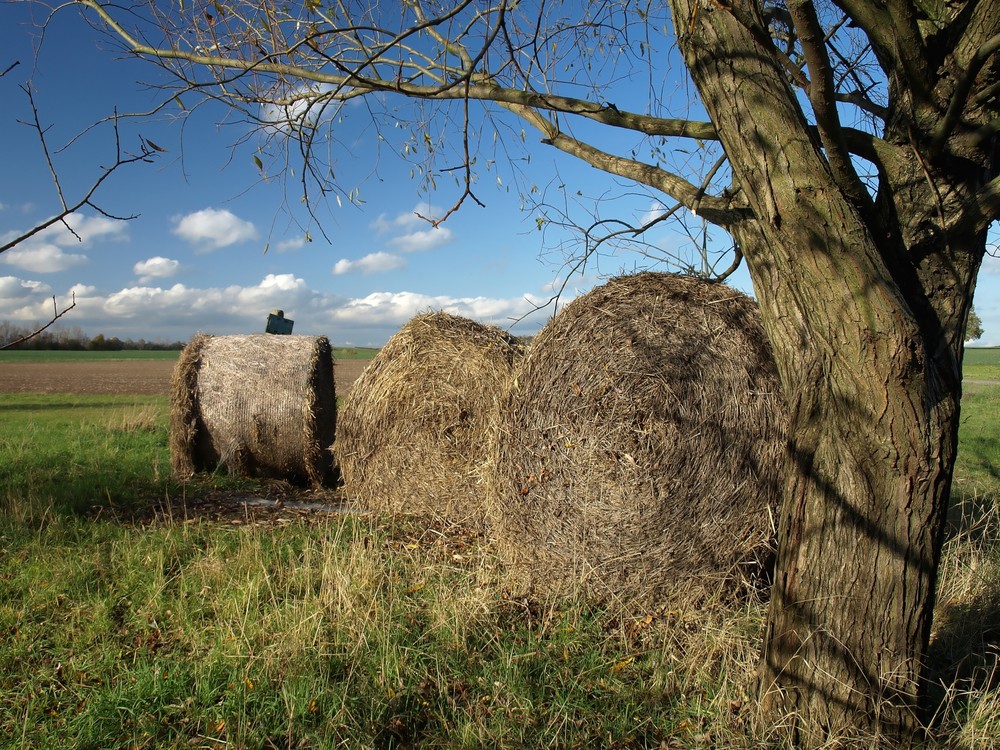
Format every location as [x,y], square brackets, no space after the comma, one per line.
[260,405]
[639,448]
[137,418]
[964,658]
[412,432]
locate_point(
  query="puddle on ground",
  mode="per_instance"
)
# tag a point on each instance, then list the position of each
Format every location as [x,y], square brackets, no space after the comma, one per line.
[266,502]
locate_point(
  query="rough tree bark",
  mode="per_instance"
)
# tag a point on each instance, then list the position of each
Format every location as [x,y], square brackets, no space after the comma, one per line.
[863,304]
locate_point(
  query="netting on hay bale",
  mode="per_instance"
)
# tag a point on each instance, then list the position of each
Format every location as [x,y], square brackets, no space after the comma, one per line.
[258,405]
[412,432]
[638,452]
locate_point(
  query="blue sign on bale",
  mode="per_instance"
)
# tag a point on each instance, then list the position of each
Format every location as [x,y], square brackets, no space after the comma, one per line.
[278,323]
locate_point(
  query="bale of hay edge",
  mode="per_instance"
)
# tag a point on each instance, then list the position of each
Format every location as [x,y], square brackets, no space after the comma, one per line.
[639,449]
[412,432]
[258,405]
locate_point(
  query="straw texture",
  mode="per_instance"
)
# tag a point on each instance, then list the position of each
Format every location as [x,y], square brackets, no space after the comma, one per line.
[639,448]
[412,433]
[258,405]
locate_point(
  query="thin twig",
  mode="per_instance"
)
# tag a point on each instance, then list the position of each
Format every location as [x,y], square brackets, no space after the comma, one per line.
[145,154]
[56,314]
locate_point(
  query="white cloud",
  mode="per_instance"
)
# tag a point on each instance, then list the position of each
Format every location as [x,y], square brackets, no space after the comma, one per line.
[210,307]
[373,263]
[212,228]
[655,210]
[41,258]
[89,228]
[155,268]
[43,252]
[408,219]
[308,106]
[15,290]
[381,308]
[410,232]
[177,312]
[26,300]
[292,244]
[991,263]
[422,239]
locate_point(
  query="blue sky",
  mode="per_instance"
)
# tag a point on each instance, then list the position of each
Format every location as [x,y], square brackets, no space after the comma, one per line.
[194,257]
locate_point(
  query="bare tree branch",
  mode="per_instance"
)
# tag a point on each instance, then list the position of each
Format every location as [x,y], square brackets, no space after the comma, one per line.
[56,314]
[874,19]
[349,83]
[718,210]
[822,96]
[147,151]
[954,113]
[145,154]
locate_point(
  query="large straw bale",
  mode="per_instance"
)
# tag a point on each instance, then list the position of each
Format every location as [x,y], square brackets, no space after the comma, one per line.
[258,405]
[412,432]
[638,450]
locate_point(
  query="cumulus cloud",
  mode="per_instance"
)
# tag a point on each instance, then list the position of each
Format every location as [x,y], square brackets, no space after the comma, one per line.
[44,253]
[408,233]
[275,290]
[212,228]
[308,106]
[175,312]
[42,258]
[26,300]
[87,229]
[655,210]
[373,263]
[991,263]
[422,239]
[17,291]
[155,268]
[291,244]
[395,308]
[407,220]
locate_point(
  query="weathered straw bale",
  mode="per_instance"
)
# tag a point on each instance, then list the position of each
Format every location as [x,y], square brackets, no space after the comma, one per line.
[258,405]
[639,448]
[412,431]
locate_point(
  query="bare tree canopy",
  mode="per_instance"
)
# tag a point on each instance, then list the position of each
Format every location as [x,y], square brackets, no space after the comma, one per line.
[69,206]
[295,77]
[848,147]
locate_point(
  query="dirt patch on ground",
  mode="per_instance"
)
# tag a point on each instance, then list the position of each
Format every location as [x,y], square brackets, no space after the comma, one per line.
[142,376]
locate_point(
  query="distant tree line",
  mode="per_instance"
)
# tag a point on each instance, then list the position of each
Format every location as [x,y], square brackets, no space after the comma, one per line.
[74,339]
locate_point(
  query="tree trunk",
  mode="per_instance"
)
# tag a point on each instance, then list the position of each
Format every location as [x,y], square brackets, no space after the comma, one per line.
[872,440]
[859,538]
[873,401]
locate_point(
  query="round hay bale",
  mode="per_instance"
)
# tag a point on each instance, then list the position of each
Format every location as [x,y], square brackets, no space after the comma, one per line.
[639,447]
[259,405]
[412,432]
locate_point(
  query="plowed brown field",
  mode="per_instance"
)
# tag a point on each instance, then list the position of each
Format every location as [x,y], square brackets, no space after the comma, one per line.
[120,376]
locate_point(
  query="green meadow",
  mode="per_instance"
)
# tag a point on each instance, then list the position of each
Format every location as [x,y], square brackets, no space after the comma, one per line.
[51,355]
[130,619]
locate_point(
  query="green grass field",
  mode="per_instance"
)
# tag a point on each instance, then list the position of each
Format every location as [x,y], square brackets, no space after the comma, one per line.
[126,630]
[45,355]
[982,363]
[341,352]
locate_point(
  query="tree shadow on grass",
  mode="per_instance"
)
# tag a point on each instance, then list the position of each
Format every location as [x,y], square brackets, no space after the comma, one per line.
[964,654]
[263,502]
